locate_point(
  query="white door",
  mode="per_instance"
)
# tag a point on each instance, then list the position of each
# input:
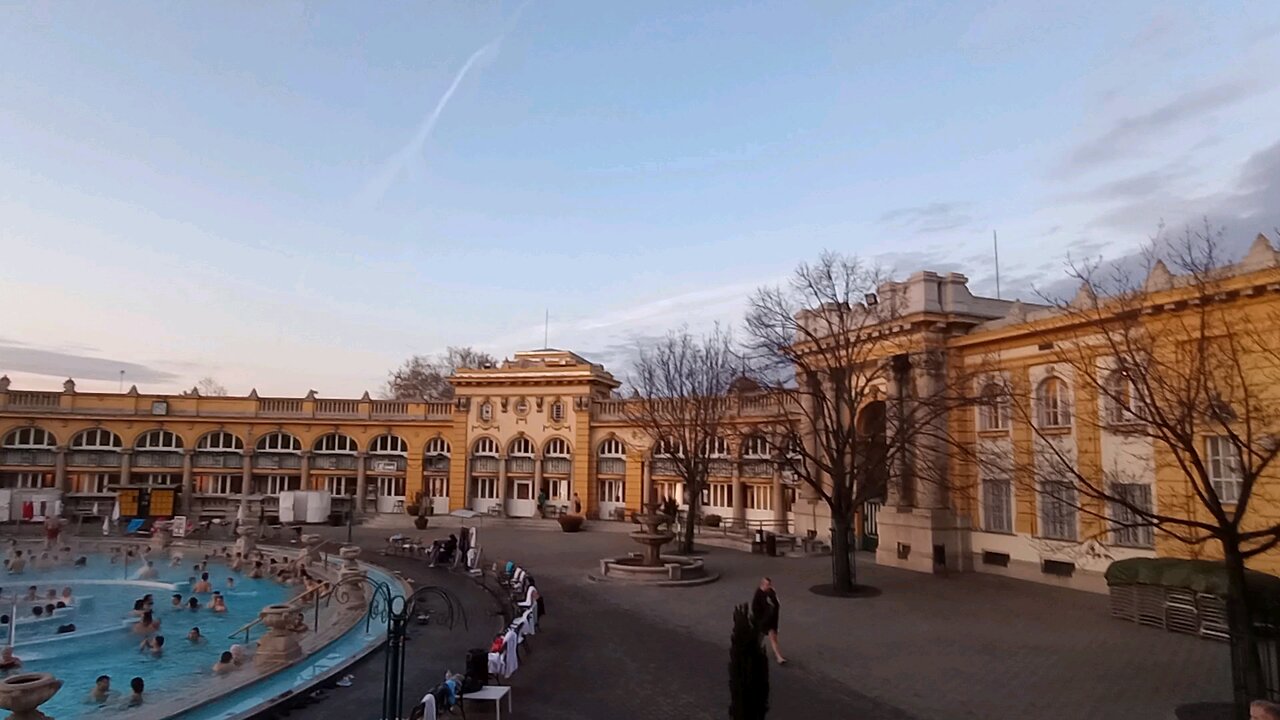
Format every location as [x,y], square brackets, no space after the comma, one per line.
[390,492]
[522,502]
[612,497]
[438,491]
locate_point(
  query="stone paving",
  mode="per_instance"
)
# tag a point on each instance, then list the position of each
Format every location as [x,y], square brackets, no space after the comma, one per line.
[967,646]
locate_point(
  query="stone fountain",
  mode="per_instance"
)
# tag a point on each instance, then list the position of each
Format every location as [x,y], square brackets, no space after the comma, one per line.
[650,565]
[25,692]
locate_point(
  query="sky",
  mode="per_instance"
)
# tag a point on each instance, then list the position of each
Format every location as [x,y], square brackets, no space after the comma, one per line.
[290,196]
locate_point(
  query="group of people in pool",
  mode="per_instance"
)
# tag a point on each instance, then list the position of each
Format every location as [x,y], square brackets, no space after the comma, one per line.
[16,562]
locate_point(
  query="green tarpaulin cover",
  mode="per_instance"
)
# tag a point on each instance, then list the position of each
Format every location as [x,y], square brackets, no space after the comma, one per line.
[1202,576]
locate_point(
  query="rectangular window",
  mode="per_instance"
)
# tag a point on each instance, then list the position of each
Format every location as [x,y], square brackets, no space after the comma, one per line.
[612,491]
[438,487]
[1224,468]
[671,490]
[390,486]
[1128,531]
[558,489]
[1058,511]
[160,479]
[524,490]
[721,495]
[88,483]
[30,480]
[276,484]
[340,486]
[997,505]
[218,484]
[759,497]
[484,488]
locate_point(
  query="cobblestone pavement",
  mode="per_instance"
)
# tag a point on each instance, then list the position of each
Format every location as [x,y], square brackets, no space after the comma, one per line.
[967,646]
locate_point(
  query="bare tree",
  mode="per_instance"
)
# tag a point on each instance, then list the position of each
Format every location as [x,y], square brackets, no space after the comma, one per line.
[823,342]
[681,383]
[427,376]
[1184,363]
[210,387]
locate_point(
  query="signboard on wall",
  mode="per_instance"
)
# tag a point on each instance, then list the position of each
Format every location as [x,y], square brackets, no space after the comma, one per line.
[384,466]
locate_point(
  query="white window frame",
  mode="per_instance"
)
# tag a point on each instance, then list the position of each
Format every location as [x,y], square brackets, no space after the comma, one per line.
[336,444]
[993,409]
[276,484]
[759,497]
[521,447]
[96,439]
[438,487]
[1053,409]
[223,484]
[32,438]
[28,480]
[163,479]
[1059,518]
[559,489]
[612,491]
[721,495]
[94,483]
[557,411]
[159,440]
[396,482]
[717,448]
[997,505]
[484,488]
[671,489]
[1224,468]
[437,446]
[340,485]
[225,442]
[755,447]
[610,448]
[485,447]
[1125,533]
[1117,413]
[388,444]
[279,442]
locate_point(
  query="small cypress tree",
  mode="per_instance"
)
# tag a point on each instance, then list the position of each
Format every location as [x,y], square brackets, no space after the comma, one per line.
[748,670]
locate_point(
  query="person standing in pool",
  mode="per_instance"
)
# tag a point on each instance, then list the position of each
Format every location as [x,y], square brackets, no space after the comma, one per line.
[135,698]
[147,572]
[204,585]
[101,691]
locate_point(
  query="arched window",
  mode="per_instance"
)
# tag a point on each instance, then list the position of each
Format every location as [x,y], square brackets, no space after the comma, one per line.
[993,408]
[668,447]
[556,447]
[388,445]
[486,446]
[612,447]
[1118,398]
[220,440]
[335,443]
[279,442]
[486,411]
[755,447]
[437,446]
[29,437]
[716,447]
[557,411]
[97,439]
[159,440]
[522,446]
[1053,407]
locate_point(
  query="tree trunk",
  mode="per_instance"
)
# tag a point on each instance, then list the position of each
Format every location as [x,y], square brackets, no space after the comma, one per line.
[686,539]
[842,576]
[1246,666]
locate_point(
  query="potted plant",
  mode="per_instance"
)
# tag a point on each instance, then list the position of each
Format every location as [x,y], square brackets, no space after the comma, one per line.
[711,520]
[571,523]
[420,522]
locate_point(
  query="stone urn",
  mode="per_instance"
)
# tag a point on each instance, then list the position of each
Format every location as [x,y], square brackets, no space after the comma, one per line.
[161,536]
[311,549]
[246,541]
[349,553]
[280,645]
[350,589]
[24,692]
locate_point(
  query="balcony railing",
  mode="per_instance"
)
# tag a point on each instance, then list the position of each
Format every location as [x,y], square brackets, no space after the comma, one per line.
[666,467]
[157,459]
[93,458]
[272,461]
[390,408]
[28,457]
[757,468]
[385,463]
[218,460]
[333,462]
[611,409]
[34,400]
[439,410]
[338,408]
[720,468]
[435,464]
[611,466]
[557,466]
[279,406]
[484,465]
[522,465]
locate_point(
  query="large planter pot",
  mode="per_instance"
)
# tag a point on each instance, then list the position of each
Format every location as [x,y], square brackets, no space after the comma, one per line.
[24,692]
[420,522]
[571,523]
[280,645]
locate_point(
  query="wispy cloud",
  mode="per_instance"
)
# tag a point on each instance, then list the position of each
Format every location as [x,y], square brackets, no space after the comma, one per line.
[1127,132]
[929,218]
[401,161]
[18,357]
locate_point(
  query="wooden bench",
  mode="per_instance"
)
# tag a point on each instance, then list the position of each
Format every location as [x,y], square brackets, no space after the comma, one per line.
[491,693]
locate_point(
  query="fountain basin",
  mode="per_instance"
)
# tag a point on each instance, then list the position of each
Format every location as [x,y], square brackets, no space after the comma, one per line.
[671,570]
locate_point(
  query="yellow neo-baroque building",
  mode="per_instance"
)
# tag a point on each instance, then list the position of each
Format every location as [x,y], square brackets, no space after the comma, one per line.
[550,421]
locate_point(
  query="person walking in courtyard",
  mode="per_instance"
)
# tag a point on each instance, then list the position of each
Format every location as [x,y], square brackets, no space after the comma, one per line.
[765,610]
[577,504]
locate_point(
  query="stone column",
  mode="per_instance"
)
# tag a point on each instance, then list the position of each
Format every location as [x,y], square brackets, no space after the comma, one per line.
[894,495]
[246,483]
[929,454]
[646,484]
[502,484]
[739,497]
[60,469]
[537,475]
[126,467]
[362,481]
[812,416]
[187,481]
[779,509]
[305,484]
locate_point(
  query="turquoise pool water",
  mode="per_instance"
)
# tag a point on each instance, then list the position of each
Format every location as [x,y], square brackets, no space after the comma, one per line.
[104,643]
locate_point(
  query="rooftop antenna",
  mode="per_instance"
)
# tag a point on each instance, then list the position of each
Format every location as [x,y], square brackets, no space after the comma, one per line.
[546,327]
[995,243]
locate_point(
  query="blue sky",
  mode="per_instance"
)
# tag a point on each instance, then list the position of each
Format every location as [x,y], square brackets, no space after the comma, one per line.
[260,191]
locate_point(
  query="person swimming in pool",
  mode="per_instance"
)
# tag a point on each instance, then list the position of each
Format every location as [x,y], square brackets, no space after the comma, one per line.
[204,585]
[147,624]
[101,691]
[147,572]
[153,646]
[194,637]
[218,604]
[226,663]
[193,603]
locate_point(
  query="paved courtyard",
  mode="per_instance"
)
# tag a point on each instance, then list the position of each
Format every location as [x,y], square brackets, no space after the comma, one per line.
[969,646]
